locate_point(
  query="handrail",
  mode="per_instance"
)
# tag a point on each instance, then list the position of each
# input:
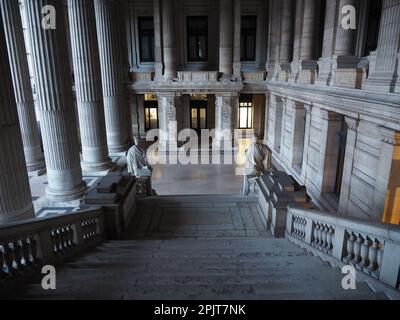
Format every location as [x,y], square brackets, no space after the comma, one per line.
[28,244]
[371,247]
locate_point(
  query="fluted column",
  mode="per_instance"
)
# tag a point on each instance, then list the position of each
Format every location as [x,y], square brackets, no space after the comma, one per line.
[56,111]
[384,72]
[15,193]
[167,103]
[284,46]
[274,17]
[158,65]
[226,37]
[86,63]
[169,41]
[236,39]
[304,39]
[339,44]
[22,85]
[116,110]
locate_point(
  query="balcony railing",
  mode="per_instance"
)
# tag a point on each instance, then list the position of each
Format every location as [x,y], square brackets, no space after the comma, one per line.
[373,248]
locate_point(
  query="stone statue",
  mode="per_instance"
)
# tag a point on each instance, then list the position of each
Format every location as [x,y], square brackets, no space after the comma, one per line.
[258,159]
[138,165]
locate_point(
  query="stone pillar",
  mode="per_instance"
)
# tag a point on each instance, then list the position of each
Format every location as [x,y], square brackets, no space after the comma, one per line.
[266,118]
[54,90]
[169,41]
[236,39]
[226,38]
[384,72]
[284,46]
[167,120]
[137,114]
[331,126]
[303,67]
[158,64]
[116,110]
[352,127]
[15,192]
[297,134]
[308,109]
[273,33]
[22,86]
[339,46]
[86,63]
[386,205]
[226,109]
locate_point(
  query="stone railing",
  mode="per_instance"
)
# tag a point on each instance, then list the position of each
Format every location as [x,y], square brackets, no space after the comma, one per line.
[27,245]
[372,248]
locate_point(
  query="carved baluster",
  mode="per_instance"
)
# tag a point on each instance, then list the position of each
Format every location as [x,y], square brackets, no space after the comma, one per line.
[94,232]
[372,257]
[319,235]
[18,254]
[70,236]
[350,248]
[379,258]
[64,232]
[357,250]
[324,244]
[54,241]
[315,231]
[34,250]
[294,226]
[26,253]
[330,239]
[365,253]
[9,260]
[84,230]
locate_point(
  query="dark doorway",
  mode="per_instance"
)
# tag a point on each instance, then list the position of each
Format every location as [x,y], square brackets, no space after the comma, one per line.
[341,157]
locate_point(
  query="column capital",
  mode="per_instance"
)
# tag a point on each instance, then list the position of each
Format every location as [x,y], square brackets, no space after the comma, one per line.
[330,115]
[352,123]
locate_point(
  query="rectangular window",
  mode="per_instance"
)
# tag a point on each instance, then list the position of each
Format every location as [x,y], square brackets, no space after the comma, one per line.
[246,114]
[151,115]
[146,39]
[197,38]
[248,38]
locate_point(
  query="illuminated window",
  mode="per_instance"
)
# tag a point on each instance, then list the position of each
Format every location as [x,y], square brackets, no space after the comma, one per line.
[146,39]
[197,38]
[151,115]
[245,115]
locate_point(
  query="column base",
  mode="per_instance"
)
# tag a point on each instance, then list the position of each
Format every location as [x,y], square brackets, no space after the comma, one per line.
[385,83]
[36,169]
[23,214]
[66,195]
[118,149]
[91,167]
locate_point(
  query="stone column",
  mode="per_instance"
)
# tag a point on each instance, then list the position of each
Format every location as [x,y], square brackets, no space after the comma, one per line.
[236,39]
[54,90]
[15,192]
[303,67]
[22,85]
[86,63]
[169,41]
[284,46]
[158,64]
[339,44]
[296,136]
[226,38]
[116,110]
[226,109]
[352,127]
[384,72]
[274,6]
[386,205]
[167,120]
[308,109]
[266,118]
[331,126]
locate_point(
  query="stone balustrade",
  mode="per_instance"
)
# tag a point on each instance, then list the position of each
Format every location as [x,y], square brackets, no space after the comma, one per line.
[275,192]
[372,248]
[27,245]
[197,76]
[254,76]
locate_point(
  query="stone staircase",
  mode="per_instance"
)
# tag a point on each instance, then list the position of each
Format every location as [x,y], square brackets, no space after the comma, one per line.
[197,247]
